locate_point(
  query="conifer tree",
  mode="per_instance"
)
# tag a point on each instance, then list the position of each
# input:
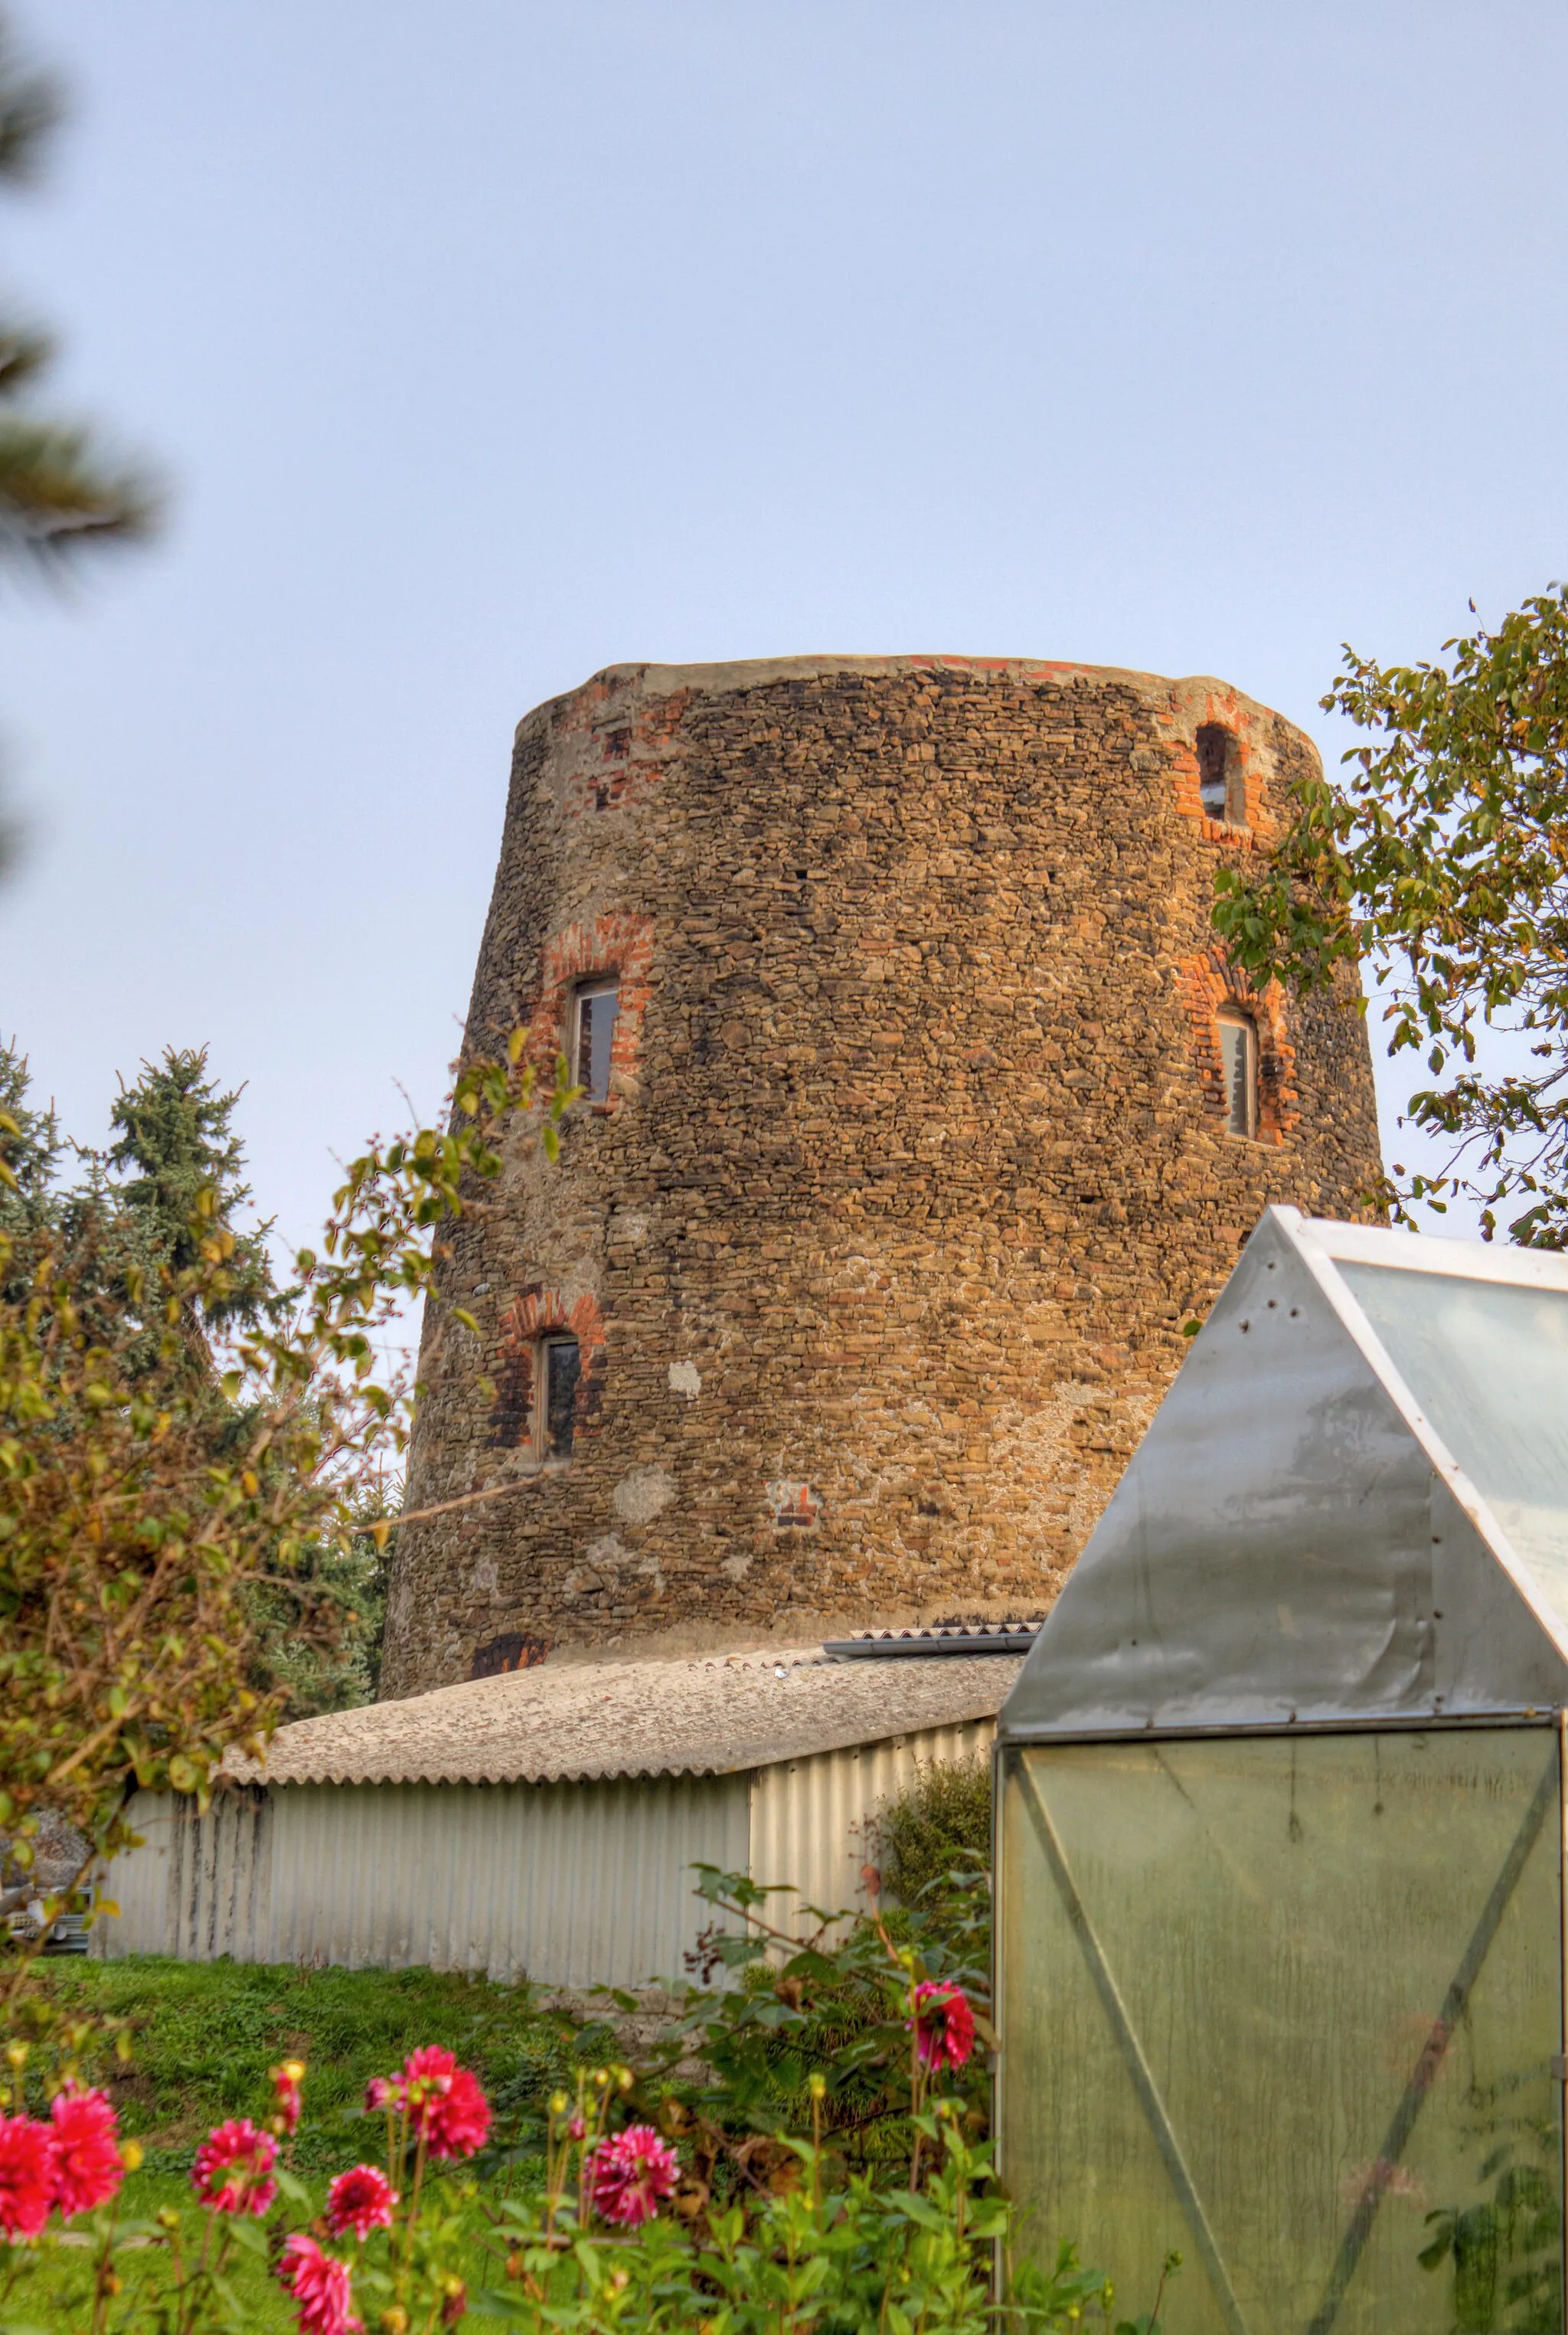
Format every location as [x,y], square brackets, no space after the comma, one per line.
[126,1227]
[175,1138]
[59,492]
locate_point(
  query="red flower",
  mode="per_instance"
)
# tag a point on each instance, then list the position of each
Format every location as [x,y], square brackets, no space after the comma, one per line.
[443,2101]
[630,2174]
[232,2168]
[320,2284]
[944,2024]
[87,2166]
[360,2200]
[285,2083]
[26,2175]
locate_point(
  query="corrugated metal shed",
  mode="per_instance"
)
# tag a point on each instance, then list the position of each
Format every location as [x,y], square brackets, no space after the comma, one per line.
[558,1845]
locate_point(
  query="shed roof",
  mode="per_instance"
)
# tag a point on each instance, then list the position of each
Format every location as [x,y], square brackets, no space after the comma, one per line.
[1353,1505]
[705,1716]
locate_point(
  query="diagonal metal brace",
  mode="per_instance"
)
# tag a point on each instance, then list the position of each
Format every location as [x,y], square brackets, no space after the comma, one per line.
[1132,2052]
[1425,2072]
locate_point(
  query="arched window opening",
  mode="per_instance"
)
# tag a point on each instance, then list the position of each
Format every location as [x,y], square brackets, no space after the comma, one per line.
[1239,1054]
[1220,788]
[555,1397]
[595,1006]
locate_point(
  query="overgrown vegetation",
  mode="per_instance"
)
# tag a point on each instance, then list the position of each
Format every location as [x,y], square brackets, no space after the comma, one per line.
[125,1221]
[1441,865]
[721,2184]
[934,1839]
[186,1452]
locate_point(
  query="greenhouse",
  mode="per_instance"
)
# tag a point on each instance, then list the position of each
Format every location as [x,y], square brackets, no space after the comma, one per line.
[1282,1814]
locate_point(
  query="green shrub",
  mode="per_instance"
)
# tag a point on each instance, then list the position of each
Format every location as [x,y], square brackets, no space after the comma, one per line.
[936,1836]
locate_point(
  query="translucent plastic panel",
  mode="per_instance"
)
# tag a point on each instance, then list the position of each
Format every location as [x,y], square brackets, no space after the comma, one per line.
[1489,1364]
[1289,2005]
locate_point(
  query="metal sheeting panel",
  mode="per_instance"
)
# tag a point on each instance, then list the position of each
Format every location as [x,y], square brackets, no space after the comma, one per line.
[809,1816]
[138,1885]
[571,1884]
[1285,1546]
[198,1885]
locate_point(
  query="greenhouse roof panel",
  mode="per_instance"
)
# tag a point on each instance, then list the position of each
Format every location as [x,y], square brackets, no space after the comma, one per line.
[1351,1505]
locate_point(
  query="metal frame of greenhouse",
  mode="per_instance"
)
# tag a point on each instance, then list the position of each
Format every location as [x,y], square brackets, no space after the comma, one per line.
[1280,1812]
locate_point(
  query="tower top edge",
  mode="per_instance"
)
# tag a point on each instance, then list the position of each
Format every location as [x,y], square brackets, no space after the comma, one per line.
[655,680]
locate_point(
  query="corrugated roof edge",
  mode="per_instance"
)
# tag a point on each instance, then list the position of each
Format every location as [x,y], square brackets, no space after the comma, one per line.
[718,1716]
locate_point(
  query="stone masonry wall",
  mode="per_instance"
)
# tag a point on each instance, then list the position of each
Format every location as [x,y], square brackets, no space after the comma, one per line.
[914,1158]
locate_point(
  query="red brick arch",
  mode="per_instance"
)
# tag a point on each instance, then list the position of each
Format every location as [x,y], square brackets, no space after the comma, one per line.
[1226,710]
[616,943]
[526,1321]
[1208,982]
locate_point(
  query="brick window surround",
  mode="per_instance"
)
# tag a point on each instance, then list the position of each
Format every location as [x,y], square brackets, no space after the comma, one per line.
[615,946]
[1208,984]
[525,1324]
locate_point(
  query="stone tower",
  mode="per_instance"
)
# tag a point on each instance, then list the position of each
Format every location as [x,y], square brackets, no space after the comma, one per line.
[922,1111]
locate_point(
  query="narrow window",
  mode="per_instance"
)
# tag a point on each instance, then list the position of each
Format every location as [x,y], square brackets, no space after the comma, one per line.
[1220,788]
[1239,1051]
[593,1011]
[560,1367]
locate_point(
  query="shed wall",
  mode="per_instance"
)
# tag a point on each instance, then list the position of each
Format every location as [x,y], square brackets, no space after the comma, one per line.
[571,1884]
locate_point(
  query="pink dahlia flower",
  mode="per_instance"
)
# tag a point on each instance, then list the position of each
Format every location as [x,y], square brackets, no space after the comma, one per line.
[87,2166]
[286,2098]
[443,2101]
[630,2175]
[360,2200]
[320,2285]
[26,2175]
[232,2168]
[944,2024]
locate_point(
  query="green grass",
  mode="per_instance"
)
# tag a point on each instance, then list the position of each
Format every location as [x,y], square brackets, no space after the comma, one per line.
[204,2034]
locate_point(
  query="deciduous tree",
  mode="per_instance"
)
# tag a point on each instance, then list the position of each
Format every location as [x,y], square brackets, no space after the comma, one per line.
[132,1536]
[1440,863]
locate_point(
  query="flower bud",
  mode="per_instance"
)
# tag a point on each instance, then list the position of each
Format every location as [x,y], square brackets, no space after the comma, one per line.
[817,2084]
[130,2156]
[560,2103]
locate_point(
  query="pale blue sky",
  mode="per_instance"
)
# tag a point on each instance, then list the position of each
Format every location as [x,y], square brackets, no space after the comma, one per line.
[489,342]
